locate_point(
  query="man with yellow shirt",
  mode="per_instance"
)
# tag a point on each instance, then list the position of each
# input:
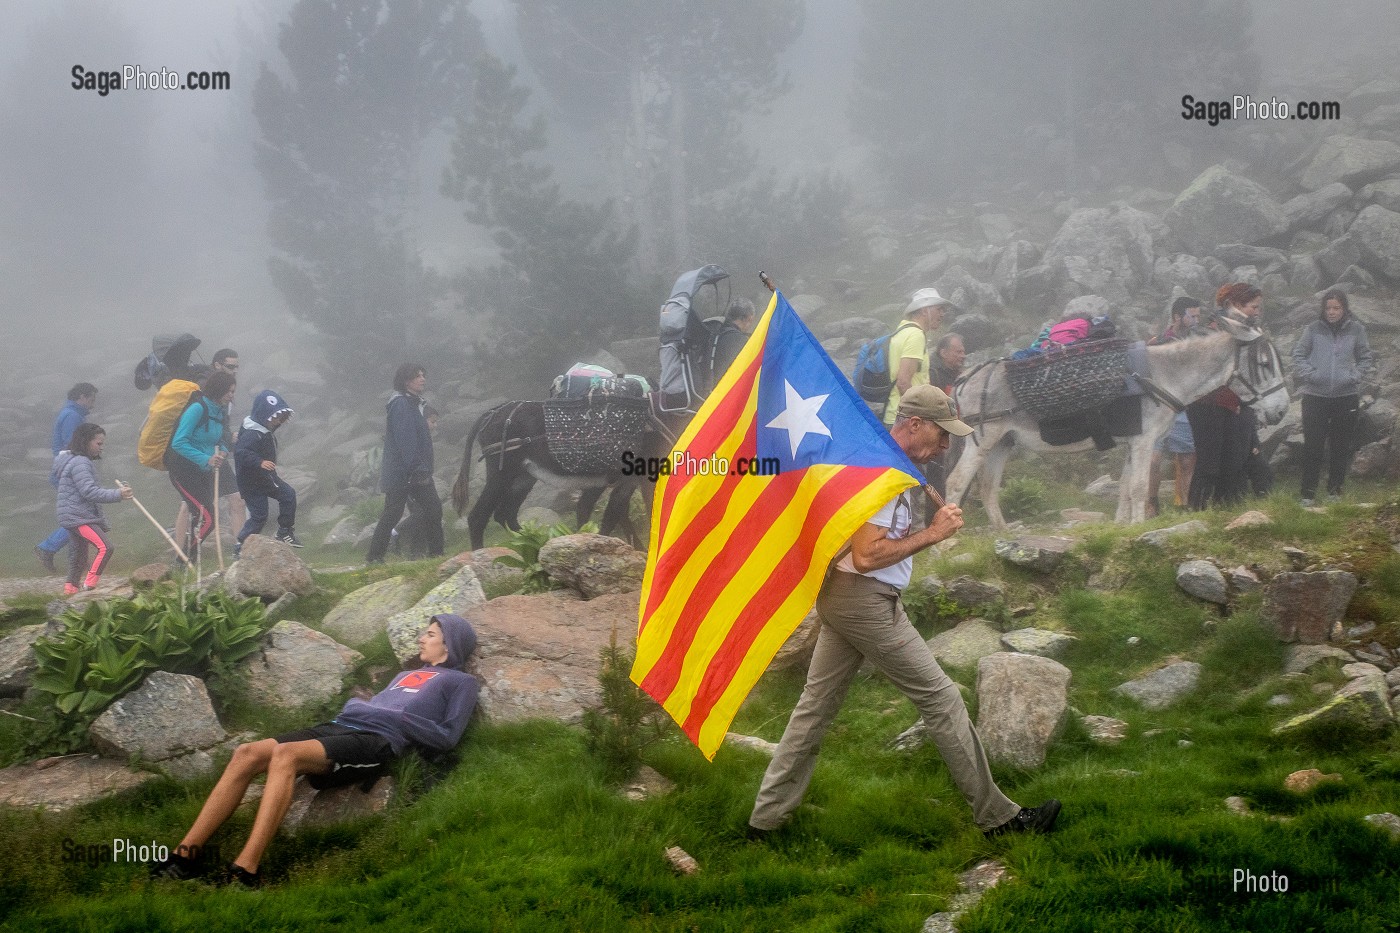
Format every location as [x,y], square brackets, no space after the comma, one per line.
[909,346]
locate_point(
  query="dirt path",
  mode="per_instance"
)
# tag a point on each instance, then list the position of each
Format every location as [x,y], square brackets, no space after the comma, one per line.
[28,586]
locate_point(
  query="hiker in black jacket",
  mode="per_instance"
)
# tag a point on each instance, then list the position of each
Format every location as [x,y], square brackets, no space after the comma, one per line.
[255,456]
[407,468]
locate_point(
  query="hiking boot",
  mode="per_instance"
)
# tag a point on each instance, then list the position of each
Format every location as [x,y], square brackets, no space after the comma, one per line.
[178,868]
[242,877]
[71,590]
[45,558]
[288,537]
[1039,819]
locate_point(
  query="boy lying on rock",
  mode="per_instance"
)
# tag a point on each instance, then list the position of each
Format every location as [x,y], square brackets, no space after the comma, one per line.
[427,707]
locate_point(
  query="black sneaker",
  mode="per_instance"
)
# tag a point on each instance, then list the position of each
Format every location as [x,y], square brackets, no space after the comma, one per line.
[45,558]
[289,537]
[242,877]
[177,868]
[1039,819]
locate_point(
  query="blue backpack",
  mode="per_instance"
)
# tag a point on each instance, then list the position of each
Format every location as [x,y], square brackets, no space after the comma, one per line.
[871,376]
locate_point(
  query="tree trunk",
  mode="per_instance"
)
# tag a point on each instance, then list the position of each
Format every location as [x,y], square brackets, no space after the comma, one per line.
[680,184]
[638,173]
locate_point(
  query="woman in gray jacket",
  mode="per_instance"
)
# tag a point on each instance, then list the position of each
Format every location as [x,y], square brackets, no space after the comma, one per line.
[80,499]
[1332,360]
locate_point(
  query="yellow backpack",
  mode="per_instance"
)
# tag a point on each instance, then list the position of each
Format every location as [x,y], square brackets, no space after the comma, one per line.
[162,417]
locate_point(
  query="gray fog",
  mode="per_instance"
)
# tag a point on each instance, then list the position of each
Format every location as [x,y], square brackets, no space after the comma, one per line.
[143,211]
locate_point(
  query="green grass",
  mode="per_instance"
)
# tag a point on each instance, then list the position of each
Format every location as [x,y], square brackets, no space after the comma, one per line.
[525,835]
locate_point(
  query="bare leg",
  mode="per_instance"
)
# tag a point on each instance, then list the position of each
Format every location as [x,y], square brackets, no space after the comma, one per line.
[1185,467]
[182,525]
[247,763]
[288,760]
[237,510]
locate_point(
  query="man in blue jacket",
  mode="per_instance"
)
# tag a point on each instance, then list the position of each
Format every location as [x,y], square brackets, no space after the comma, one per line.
[255,456]
[407,467]
[81,398]
[427,708]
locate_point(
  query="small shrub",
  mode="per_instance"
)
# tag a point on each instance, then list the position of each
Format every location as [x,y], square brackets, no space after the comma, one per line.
[527,543]
[108,647]
[1022,497]
[626,721]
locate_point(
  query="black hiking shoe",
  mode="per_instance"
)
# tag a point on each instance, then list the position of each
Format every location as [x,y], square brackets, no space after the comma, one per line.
[45,558]
[1039,819]
[288,537]
[178,868]
[242,877]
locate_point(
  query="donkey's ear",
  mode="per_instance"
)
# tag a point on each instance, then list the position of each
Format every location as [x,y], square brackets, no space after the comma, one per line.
[1241,332]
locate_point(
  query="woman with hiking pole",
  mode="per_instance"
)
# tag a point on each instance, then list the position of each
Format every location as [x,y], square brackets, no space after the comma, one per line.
[195,454]
[80,500]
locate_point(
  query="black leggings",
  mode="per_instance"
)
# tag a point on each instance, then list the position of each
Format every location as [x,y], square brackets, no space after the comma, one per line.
[1222,453]
[1329,425]
[429,506]
[196,487]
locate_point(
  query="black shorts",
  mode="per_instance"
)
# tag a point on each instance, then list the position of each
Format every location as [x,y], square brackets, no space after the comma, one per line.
[355,755]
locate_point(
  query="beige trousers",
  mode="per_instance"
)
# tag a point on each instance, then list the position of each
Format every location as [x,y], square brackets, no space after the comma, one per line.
[862,618]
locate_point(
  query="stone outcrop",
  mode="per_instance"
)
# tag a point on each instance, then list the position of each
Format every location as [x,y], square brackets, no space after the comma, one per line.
[539,655]
[1159,537]
[362,614]
[1308,607]
[1163,687]
[1041,553]
[1362,704]
[966,644]
[492,573]
[1203,580]
[1040,642]
[1021,705]
[593,564]
[298,665]
[17,660]
[457,595]
[1221,207]
[58,784]
[169,716]
[972,593]
[1349,160]
[269,570]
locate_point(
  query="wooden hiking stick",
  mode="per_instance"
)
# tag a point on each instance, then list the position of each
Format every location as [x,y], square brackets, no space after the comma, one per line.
[218,541]
[159,527]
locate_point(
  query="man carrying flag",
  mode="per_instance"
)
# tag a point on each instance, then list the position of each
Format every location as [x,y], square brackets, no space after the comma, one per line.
[863,618]
[737,559]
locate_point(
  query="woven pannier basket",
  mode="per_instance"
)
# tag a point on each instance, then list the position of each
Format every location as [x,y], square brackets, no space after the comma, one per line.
[1065,381]
[587,436]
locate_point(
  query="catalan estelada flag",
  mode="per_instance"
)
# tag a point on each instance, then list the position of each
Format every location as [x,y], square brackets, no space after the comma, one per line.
[736,560]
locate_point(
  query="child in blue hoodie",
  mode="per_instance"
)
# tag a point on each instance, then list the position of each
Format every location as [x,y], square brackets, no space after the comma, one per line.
[426,708]
[255,460]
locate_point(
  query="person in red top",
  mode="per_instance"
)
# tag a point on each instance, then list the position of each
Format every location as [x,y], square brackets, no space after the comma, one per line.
[1221,426]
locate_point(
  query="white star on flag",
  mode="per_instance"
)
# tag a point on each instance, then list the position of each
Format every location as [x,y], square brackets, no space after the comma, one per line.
[799,418]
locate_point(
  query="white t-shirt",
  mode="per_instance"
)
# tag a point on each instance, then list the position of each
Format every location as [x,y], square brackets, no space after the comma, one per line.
[896,517]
